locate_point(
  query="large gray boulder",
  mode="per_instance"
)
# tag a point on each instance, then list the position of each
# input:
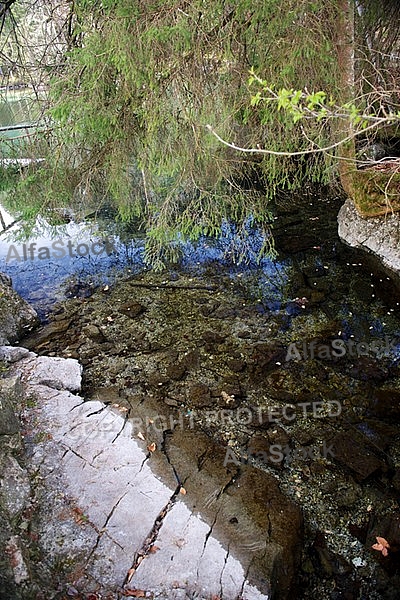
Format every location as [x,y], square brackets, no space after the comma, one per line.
[16,316]
[379,235]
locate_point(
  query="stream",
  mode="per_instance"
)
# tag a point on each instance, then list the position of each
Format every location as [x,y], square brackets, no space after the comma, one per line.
[290,365]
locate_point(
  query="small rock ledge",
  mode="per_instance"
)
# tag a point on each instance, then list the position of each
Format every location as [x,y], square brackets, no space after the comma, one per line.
[379,235]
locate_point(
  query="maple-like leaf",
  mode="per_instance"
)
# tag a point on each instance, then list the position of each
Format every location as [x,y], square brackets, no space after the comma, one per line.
[382,545]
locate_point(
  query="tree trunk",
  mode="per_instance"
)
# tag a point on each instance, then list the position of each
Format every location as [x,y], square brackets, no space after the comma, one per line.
[345,55]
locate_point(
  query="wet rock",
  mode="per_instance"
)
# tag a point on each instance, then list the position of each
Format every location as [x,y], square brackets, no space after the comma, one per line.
[212,337]
[108,394]
[366,369]
[79,289]
[266,526]
[327,563]
[224,312]
[396,479]
[331,565]
[271,449]
[264,358]
[357,456]
[199,395]
[191,360]
[176,371]
[377,432]
[44,337]
[236,365]
[131,309]
[94,333]
[385,404]
[16,316]
[157,380]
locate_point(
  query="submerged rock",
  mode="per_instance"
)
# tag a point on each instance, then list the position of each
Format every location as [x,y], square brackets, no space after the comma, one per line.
[16,316]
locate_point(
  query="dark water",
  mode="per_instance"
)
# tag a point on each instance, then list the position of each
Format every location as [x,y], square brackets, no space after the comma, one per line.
[316,287]
[311,263]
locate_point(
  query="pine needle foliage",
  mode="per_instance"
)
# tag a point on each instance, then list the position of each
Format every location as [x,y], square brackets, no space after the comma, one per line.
[131,101]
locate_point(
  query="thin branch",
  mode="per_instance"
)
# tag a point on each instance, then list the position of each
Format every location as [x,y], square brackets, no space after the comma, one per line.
[377,123]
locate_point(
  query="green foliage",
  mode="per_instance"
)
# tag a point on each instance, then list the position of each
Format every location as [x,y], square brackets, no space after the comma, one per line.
[132,101]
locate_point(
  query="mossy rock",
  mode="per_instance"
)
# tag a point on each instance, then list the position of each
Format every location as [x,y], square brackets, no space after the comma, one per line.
[374,192]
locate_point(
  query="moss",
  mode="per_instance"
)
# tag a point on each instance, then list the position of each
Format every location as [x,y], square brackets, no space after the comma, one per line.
[374,193]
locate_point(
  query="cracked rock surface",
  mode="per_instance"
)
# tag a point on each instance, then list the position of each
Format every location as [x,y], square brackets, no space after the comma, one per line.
[111,512]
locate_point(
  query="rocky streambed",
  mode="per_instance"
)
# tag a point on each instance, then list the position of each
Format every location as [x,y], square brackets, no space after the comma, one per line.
[268,399]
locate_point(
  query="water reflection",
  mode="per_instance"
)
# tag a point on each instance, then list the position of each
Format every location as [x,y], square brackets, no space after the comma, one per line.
[42,277]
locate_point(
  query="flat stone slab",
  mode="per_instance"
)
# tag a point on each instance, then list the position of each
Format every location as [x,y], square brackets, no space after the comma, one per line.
[124,513]
[54,372]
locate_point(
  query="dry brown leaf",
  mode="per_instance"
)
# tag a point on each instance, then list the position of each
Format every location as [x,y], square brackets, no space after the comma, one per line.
[182,491]
[381,546]
[153,549]
[130,574]
[152,447]
[134,593]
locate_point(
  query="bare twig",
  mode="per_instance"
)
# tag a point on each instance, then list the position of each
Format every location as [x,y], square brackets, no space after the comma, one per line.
[377,123]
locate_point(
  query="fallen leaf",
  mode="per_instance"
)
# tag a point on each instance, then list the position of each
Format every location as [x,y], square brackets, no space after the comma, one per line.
[153,549]
[227,398]
[140,436]
[152,447]
[381,546]
[130,574]
[182,491]
[134,593]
